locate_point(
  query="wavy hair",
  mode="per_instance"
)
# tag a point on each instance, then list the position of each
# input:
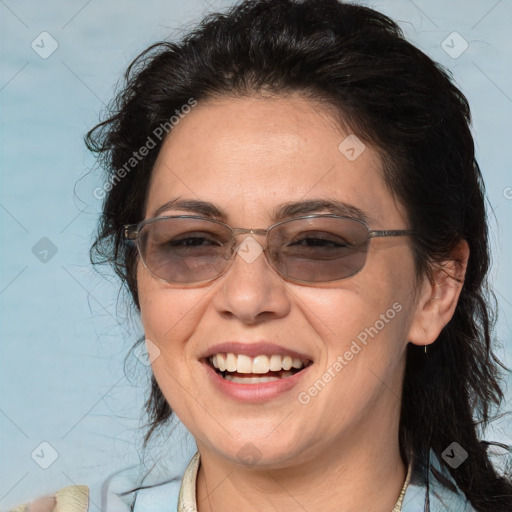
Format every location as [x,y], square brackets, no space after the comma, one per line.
[393,96]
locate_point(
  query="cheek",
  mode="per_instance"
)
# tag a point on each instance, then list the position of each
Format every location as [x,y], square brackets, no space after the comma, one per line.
[373,309]
[361,334]
[169,315]
[350,318]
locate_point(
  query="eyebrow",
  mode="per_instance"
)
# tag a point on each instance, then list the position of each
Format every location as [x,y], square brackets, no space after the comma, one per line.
[281,212]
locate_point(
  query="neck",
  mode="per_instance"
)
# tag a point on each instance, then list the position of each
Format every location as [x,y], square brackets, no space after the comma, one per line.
[366,473]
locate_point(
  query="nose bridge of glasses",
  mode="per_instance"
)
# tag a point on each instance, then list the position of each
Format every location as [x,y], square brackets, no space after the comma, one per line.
[252,231]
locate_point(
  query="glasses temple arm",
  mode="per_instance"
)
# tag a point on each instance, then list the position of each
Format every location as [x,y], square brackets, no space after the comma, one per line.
[390,232]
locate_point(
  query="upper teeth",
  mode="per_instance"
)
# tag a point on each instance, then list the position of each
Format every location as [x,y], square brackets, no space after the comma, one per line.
[260,364]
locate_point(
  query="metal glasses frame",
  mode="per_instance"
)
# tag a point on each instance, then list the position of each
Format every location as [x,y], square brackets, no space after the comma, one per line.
[131,233]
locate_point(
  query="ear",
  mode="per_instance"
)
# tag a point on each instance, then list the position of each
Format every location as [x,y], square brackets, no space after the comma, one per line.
[438,296]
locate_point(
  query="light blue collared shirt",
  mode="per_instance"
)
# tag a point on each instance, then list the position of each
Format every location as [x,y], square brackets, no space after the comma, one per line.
[163,494]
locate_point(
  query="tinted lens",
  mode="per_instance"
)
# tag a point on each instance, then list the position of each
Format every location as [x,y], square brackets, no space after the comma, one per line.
[319,249]
[185,250]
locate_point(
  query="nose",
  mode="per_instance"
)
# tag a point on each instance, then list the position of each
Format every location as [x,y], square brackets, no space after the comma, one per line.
[251,290]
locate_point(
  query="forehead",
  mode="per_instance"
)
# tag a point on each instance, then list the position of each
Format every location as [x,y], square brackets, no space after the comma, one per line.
[250,154]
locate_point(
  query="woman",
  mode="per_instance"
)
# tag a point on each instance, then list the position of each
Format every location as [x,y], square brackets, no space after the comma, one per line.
[294,204]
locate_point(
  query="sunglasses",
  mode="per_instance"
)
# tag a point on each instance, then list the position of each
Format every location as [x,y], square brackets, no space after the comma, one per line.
[187,249]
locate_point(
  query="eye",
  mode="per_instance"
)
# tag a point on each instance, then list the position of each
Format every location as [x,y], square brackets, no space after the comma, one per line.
[320,240]
[193,241]
[191,244]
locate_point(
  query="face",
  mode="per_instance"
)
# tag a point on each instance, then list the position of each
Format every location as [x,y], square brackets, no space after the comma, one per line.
[249,156]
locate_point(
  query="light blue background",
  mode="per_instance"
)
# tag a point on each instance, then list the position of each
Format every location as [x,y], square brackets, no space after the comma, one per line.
[63,337]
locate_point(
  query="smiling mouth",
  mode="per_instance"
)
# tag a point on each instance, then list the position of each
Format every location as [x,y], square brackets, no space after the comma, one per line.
[243,369]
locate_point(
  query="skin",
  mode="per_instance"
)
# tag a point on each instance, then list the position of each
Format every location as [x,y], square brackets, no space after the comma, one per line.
[340,451]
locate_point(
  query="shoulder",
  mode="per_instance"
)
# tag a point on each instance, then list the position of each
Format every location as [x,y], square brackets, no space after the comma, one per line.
[121,492]
[144,487]
[74,498]
[137,489]
[440,497]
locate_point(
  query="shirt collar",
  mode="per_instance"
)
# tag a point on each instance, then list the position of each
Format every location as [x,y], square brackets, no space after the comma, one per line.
[187,497]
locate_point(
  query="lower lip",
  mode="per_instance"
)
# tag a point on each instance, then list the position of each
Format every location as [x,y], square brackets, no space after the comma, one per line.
[253,393]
